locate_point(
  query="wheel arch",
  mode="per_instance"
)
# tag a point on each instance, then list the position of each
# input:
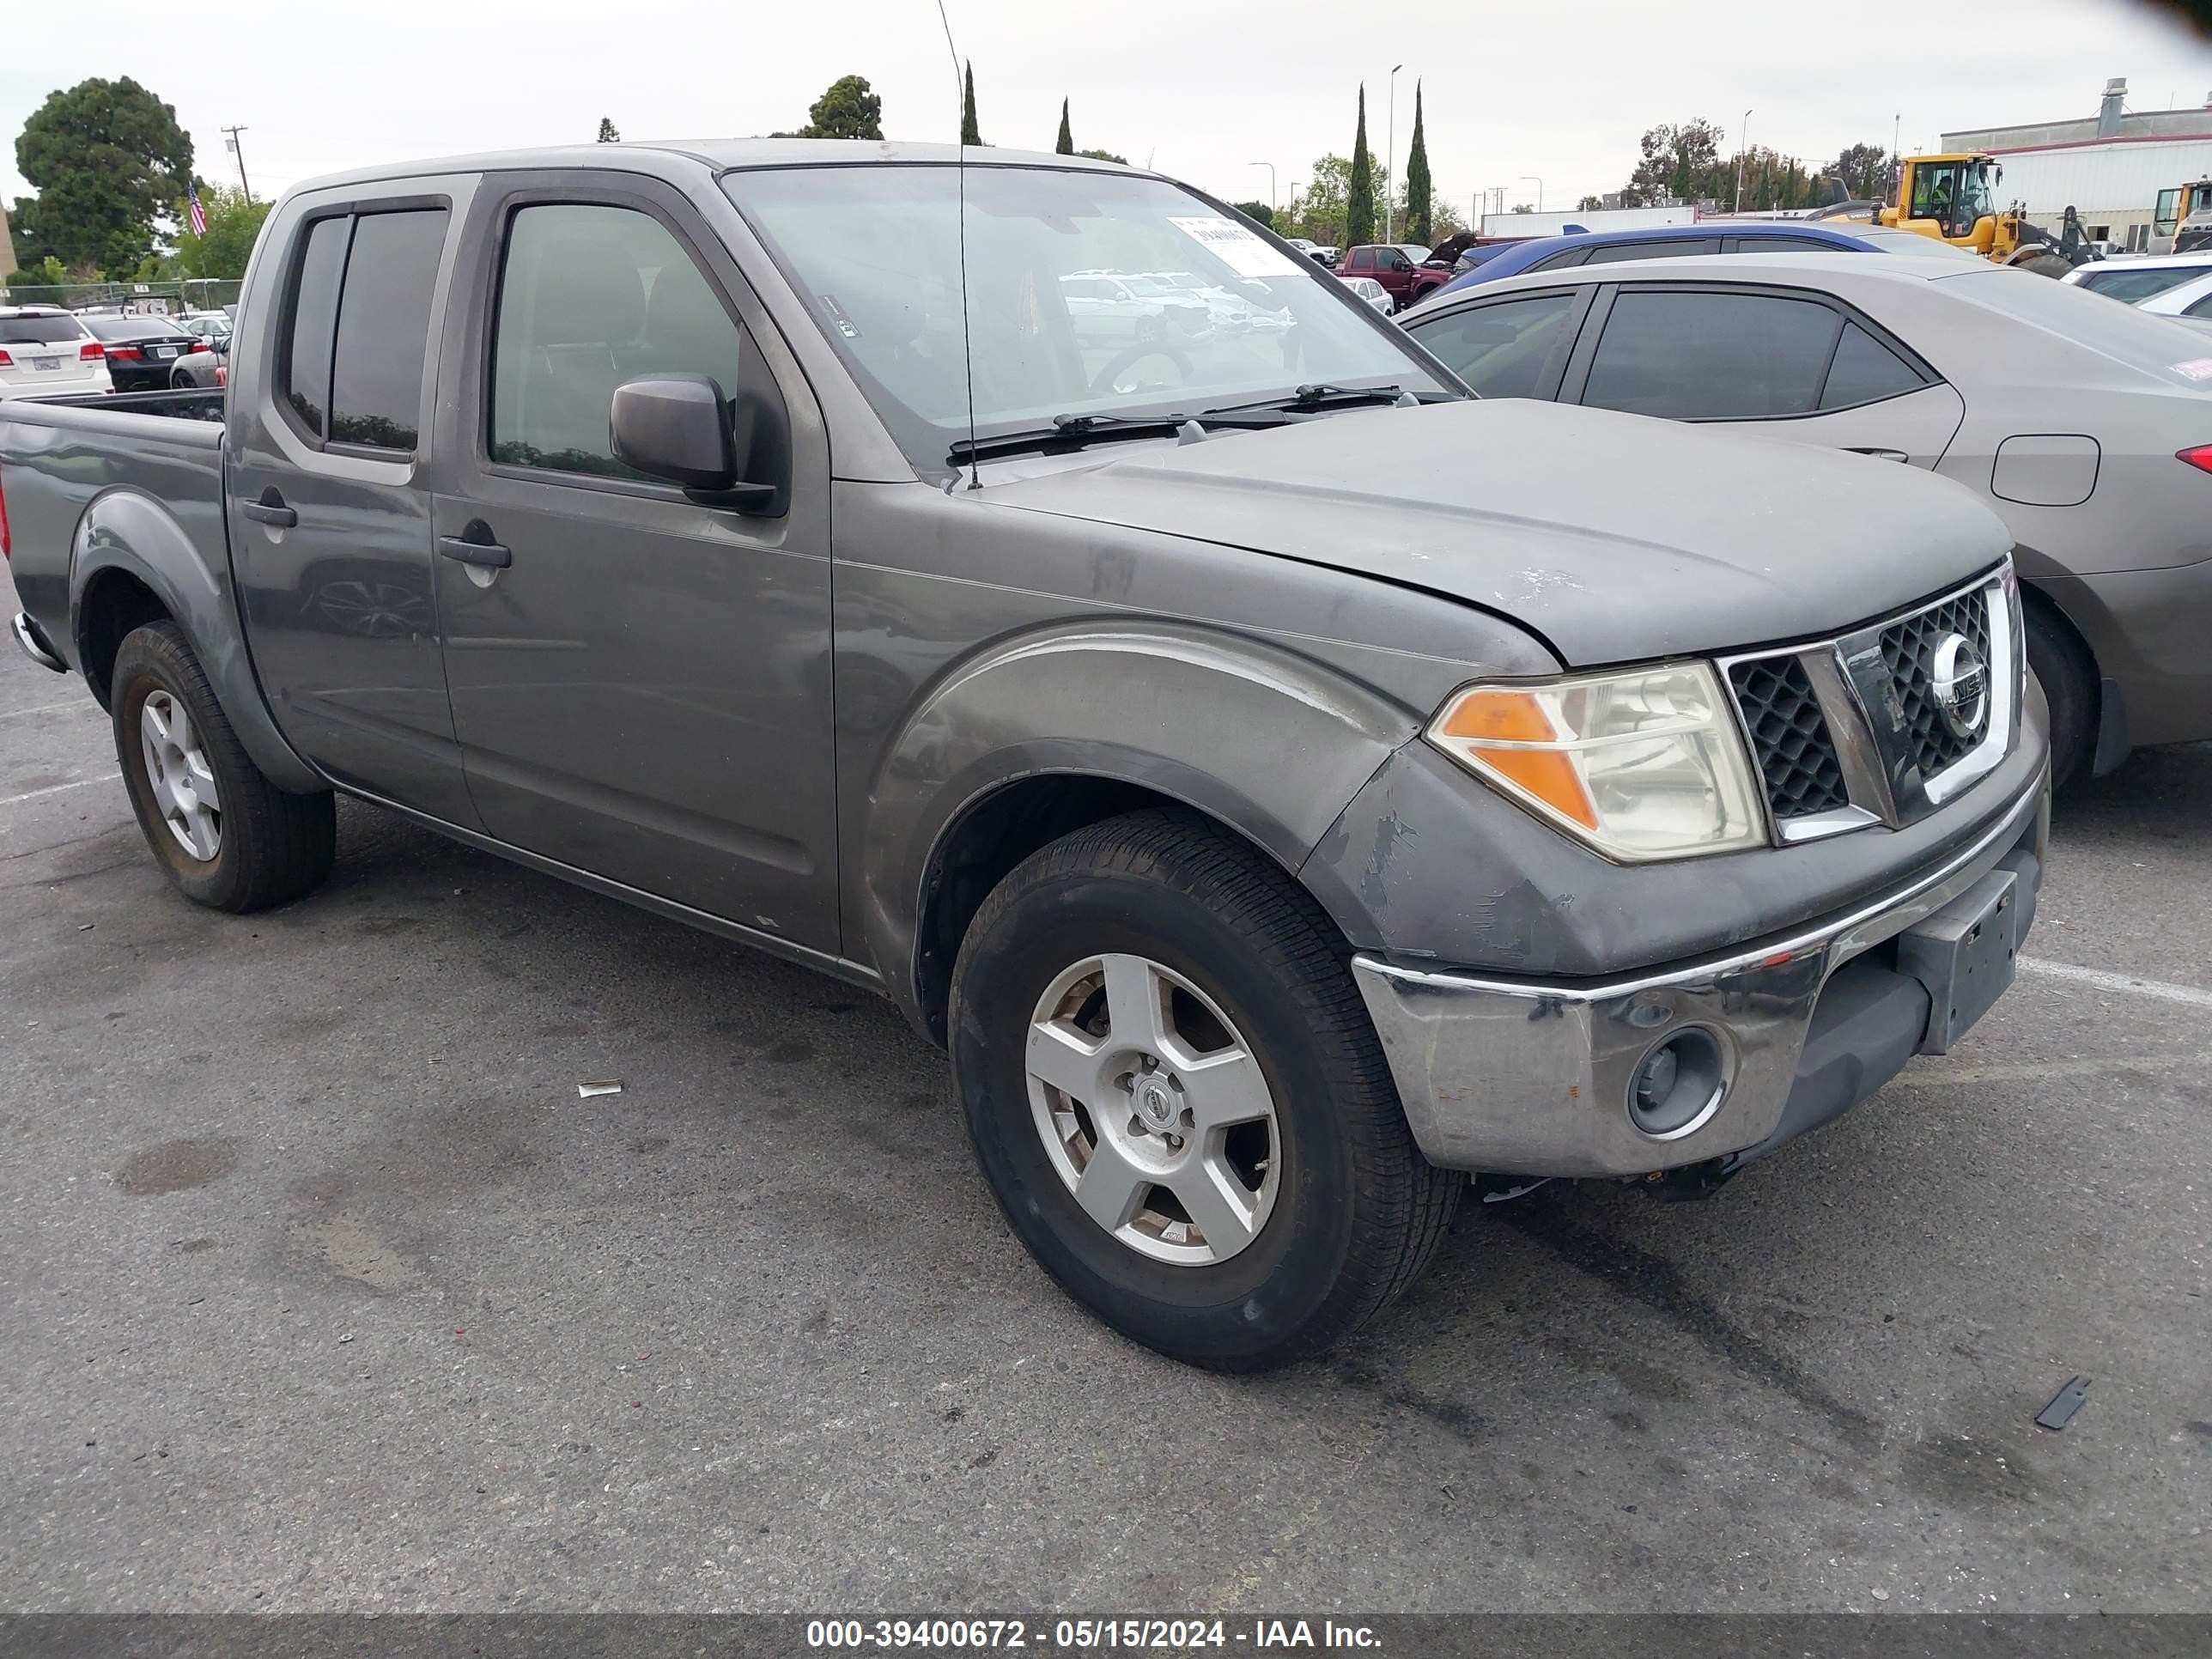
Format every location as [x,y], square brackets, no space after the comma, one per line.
[133,562]
[1060,728]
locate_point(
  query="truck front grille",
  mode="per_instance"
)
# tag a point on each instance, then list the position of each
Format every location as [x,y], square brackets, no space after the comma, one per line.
[1849,732]
[1789,737]
[1908,649]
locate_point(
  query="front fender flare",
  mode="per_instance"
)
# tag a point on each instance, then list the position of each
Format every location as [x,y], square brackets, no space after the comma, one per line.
[128,531]
[1270,743]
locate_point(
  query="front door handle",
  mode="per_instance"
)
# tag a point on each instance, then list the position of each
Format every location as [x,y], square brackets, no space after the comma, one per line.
[489,554]
[1897,455]
[270,510]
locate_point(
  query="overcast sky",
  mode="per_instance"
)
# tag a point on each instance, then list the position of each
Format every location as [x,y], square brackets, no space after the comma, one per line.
[1561,88]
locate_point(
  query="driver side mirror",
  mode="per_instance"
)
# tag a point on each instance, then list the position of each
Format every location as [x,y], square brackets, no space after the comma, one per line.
[678,428]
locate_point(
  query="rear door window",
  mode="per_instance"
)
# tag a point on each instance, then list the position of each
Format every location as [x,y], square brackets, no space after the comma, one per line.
[384,328]
[356,342]
[1501,351]
[1693,355]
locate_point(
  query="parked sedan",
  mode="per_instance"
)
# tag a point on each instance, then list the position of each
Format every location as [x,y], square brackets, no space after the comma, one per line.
[140,349]
[2086,425]
[45,351]
[1688,242]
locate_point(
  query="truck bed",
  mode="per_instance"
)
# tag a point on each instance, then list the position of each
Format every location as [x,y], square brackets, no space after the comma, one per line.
[131,482]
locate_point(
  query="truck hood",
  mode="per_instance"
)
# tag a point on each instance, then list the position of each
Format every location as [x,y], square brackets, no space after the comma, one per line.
[1614,537]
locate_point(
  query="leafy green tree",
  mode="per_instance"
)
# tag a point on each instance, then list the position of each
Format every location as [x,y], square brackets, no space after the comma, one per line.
[1316,209]
[1678,164]
[1064,144]
[849,109]
[1590,204]
[1359,197]
[105,158]
[607,133]
[233,224]
[1864,171]
[1418,208]
[1444,221]
[969,132]
[1258,212]
[47,273]
[1104,155]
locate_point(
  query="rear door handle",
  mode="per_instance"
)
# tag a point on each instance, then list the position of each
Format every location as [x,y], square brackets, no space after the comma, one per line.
[270,510]
[490,555]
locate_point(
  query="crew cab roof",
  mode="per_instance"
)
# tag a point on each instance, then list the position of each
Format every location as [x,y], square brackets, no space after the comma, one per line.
[719,155]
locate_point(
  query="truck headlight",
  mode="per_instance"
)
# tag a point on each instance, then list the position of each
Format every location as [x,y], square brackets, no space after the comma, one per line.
[1645,763]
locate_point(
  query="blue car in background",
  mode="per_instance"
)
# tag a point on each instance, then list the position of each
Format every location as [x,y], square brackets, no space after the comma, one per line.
[1681,241]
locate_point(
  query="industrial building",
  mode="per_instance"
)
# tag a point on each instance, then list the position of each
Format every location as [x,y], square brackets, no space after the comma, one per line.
[2111,166]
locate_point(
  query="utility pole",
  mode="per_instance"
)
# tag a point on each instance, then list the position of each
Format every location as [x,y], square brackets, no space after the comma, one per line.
[1742,144]
[230,142]
[1390,159]
[1896,126]
[1270,166]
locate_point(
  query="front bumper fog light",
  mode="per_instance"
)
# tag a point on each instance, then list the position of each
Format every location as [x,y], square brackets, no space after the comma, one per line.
[1678,1086]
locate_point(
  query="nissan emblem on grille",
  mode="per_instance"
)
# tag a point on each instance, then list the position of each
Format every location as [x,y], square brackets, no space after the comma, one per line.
[1961,686]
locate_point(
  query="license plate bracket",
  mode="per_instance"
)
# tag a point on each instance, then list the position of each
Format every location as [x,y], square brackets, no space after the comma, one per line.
[1966,954]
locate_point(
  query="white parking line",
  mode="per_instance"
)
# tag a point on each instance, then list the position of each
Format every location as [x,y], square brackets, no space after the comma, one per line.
[81,783]
[2126,983]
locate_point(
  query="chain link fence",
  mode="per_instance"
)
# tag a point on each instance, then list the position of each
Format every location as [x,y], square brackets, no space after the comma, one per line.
[164,299]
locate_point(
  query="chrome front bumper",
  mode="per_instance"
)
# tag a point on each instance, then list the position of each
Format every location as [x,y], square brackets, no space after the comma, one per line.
[1526,1078]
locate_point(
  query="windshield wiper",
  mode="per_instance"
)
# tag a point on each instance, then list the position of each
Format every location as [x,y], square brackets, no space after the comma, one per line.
[1319,396]
[1074,431]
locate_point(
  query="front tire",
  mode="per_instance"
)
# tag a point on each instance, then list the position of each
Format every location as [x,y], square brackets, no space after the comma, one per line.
[1178,1099]
[227,837]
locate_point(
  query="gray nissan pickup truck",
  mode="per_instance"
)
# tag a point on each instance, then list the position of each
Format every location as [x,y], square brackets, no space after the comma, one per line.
[1284,783]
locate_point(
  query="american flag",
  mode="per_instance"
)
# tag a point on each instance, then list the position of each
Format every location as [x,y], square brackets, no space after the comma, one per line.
[199,213]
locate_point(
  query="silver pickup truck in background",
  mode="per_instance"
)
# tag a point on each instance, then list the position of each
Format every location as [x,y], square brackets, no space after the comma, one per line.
[1283,782]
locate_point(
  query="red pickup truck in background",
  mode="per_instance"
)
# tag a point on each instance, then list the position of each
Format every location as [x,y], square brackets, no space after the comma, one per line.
[1400,268]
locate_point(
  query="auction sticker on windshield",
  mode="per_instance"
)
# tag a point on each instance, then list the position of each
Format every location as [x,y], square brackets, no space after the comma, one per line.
[1234,247]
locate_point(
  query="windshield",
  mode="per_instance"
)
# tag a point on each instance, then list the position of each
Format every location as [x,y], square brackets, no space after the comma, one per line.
[1060,321]
[2135,284]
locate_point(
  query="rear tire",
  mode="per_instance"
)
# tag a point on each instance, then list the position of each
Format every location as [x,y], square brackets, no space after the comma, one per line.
[227,837]
[2068,679]
[1239,960]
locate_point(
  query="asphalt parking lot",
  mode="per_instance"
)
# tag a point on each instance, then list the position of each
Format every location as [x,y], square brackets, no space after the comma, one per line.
[323,1290]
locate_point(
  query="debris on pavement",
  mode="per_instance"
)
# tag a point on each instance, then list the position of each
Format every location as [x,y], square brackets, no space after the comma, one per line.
[2063,1404]
[590,1090]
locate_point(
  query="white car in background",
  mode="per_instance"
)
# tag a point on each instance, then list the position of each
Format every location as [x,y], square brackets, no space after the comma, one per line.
[45,351]
[2166,284]
[1118,309]
[1370,290]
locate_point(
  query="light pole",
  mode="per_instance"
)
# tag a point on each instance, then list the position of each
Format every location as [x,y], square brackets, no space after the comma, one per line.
[1270,166]
[1742,144]
[1390,159]
[1540,189]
